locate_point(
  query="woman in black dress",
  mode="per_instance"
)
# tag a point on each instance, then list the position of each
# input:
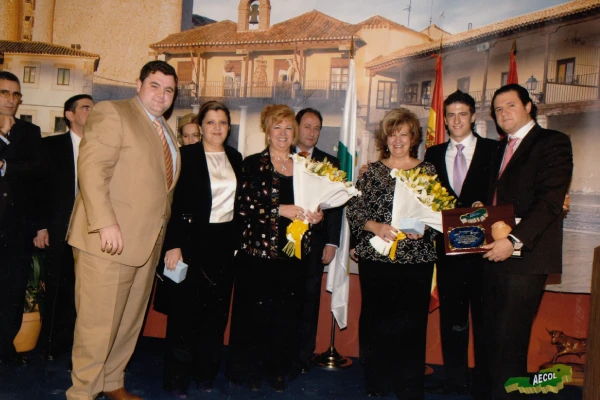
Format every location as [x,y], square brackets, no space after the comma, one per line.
[395,294]
[267,304]
[202,233]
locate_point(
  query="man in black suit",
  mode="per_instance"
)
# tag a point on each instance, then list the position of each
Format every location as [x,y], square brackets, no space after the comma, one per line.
[324,242]
[532,171]
[19,170]
[459,278]
[59,190]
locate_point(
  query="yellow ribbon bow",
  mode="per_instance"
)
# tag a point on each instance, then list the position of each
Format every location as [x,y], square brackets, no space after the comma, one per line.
[399,237]
[294,233]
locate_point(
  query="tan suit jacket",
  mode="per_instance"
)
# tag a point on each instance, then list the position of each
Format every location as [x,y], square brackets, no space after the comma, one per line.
[122,180]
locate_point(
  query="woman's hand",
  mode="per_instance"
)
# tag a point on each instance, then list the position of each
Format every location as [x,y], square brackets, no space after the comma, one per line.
[291,211]
[384,231]
[172,257]
[314,217]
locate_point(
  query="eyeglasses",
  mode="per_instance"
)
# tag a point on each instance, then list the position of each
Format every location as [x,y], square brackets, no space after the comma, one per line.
[7,93]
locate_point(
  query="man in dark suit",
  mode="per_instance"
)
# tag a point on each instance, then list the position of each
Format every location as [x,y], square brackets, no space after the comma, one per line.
[463,167]
[59,190]
[19,170]
[324,242]
[532,171]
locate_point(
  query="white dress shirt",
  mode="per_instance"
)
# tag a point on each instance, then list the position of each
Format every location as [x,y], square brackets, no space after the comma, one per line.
[76,142]
[519,135]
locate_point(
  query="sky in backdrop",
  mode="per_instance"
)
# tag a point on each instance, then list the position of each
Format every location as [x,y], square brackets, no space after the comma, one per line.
[451,15]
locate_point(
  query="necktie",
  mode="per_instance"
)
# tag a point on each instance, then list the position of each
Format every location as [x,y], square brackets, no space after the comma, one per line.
[460,169]
[508,153]
[304,154]
[166,152]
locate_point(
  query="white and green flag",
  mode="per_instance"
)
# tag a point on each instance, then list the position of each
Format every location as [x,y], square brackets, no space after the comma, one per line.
[337,278]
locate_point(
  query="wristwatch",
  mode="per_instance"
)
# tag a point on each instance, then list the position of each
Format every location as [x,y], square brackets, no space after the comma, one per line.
[517,244]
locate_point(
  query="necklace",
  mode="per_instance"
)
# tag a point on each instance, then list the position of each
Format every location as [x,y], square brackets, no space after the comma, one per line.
[282,161]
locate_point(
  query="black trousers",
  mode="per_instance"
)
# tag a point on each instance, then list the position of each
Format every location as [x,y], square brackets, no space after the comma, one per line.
[198,310]
[511,302]
[393,326]
[460,287]
[266,317]
[15,264]
[312,302]
[58,317]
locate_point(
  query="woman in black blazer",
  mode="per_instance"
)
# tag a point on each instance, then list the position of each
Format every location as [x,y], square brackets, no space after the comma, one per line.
[202,233]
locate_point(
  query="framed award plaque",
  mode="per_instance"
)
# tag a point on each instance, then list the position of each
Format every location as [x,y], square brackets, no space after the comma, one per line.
[466,230]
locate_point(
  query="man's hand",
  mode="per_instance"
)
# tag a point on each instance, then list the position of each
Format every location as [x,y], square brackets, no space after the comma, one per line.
[328,254]
[42,240]
[172,257]
[6,124]
[111,239]
[353,255]
[499,250]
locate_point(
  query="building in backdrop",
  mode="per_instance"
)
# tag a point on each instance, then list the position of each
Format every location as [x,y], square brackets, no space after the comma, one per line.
[49,75]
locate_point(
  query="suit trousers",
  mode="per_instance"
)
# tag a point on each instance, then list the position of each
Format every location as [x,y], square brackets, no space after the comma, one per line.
[111,300]
[312,300]
[58,317]
[15,264]
[511,302]
[460,281]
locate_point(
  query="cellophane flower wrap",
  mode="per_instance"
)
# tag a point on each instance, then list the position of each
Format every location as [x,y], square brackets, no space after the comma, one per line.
[417,195]
[318,185]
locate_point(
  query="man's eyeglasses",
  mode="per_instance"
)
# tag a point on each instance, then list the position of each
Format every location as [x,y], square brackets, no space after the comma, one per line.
[7,93]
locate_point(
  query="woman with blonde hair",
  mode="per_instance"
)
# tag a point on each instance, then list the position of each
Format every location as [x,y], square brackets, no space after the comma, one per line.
[267,305]
[188,131]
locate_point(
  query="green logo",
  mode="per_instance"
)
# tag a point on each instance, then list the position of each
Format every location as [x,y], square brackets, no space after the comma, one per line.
[545,381]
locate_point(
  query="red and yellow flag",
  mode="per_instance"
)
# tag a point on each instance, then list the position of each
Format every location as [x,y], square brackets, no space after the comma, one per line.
[435,125]
[513,76]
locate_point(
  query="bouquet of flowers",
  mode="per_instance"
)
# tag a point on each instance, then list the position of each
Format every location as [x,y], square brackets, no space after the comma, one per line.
[417,195]
[318,185]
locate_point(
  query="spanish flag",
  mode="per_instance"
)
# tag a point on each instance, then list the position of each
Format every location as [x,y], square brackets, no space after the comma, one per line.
[435,125]
[436,135]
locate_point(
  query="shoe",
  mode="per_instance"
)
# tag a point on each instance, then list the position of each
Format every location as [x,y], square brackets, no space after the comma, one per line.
[278,384]
[254,384]
[372,393]
[205,386]
[121,394]
[299,367]
[15,360]
[178,394]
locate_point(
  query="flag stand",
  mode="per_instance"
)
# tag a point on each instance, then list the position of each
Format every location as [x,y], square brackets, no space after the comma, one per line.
[331,359]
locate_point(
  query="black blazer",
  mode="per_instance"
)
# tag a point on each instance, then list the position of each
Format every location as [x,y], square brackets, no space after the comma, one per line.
[192,202]
[536,181]
[18,187]
[476,184]
[58,187]
[333,217]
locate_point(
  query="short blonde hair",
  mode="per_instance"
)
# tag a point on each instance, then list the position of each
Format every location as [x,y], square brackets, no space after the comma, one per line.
[275,113]
[190,118]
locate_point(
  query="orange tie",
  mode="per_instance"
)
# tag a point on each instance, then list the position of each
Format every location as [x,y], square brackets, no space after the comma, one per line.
[166,151]
[304,154]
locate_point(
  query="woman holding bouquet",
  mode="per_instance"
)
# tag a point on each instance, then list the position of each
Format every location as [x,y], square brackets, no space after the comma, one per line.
[202,233]
[395,292]
[267,305]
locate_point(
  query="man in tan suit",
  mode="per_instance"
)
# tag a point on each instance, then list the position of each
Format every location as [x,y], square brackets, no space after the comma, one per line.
[128,165]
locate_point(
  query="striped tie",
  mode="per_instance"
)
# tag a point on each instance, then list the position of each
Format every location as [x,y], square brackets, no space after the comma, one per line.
[166,152]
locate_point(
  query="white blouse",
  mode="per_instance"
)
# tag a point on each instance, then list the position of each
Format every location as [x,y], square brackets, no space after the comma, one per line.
[222,185]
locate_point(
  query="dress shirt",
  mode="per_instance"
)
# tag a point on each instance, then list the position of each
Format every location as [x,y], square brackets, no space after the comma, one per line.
[309,151]
[76,142]
[520,135]
[469,142]
[172,146]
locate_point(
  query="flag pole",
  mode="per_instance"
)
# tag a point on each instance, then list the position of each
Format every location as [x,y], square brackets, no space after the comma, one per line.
[331,359]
